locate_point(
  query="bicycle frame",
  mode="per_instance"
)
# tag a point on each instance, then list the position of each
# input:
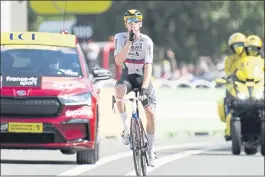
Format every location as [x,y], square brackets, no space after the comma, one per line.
[135,108]
[134,101]
[138,123]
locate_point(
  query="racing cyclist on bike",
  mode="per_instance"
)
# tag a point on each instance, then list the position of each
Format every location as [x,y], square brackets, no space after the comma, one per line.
[134,52]
[236,43]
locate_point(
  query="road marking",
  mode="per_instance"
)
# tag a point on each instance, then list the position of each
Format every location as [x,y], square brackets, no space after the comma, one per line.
[167,159]
[104,160]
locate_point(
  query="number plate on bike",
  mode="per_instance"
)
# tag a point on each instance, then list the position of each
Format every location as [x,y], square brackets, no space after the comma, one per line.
[25,127]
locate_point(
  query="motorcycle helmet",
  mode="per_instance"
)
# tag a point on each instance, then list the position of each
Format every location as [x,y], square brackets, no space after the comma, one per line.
[253,45]
[236,43]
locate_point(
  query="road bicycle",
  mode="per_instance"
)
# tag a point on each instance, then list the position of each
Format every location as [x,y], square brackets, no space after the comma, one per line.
[138,137]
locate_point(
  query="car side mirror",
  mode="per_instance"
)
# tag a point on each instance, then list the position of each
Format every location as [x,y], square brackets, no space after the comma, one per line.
[101,74]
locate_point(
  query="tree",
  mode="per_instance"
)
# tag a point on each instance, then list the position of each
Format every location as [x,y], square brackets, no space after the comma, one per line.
[190,28]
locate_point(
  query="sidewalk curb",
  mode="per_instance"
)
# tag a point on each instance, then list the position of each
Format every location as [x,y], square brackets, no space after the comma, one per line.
[194,133]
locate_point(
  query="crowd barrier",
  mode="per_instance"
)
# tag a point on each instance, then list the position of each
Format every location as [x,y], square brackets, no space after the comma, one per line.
[163,83]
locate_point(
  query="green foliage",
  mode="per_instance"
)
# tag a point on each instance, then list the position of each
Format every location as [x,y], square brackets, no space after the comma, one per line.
[190,28]
[35,20]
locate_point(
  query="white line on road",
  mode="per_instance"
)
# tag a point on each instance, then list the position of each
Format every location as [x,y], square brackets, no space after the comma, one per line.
[104,160]
[167,159]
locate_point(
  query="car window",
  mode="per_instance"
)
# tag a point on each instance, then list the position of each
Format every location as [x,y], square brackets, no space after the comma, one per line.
[81,54]
[35,60]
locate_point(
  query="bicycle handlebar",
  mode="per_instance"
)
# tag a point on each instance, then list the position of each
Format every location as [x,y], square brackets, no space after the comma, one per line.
[128,99]
[131,99]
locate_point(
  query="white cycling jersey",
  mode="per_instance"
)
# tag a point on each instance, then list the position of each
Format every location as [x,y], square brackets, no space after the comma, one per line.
[140,53]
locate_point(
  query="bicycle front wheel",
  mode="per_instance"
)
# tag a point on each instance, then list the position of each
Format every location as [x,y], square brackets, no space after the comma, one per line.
[144,156]
[135,142]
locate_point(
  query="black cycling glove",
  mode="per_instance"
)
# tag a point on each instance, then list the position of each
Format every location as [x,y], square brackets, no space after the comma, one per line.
[132,36]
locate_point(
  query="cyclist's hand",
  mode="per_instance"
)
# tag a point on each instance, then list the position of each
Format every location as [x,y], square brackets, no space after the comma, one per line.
[144,94]
[132,36]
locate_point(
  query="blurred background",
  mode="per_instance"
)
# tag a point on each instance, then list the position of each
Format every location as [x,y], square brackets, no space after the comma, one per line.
[190,37]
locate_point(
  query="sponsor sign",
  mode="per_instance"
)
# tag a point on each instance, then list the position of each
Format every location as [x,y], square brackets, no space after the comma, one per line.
[82,31]
[26,81]
[136,48]
[25,127]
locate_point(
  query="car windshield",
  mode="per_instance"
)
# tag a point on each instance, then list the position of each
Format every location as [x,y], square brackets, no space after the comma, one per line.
[37,60]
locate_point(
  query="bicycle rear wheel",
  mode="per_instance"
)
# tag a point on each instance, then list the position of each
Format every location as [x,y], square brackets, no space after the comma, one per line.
[135,139]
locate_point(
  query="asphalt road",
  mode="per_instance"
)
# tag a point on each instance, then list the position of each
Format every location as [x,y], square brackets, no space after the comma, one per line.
[177,156]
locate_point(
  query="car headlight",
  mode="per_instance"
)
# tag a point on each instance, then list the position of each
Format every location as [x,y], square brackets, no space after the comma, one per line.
[80,99]
[241,96]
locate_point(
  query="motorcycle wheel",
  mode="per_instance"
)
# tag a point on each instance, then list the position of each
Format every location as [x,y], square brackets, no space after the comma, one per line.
[250,151]
[236,136]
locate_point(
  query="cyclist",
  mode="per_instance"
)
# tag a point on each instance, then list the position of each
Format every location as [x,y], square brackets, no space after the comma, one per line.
[134,51]
[236,43]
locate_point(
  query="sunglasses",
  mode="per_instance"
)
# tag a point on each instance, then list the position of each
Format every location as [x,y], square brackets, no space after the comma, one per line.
[133,20]
[253,48]
[240,44]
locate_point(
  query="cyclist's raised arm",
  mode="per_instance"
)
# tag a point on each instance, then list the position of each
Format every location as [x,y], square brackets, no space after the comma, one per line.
[120,51]
[148,63]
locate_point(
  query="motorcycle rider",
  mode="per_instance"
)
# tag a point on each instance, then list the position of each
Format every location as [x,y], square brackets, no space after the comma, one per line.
[236,43]
[253,46]
[134,52]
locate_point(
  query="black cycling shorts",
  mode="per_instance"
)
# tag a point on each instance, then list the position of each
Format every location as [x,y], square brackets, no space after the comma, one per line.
[133,81]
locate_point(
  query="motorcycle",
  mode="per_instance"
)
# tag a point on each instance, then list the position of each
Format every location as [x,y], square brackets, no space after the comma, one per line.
[246,102]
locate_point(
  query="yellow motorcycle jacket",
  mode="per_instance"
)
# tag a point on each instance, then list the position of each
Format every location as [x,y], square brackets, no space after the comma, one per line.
[232,63]
[262,62]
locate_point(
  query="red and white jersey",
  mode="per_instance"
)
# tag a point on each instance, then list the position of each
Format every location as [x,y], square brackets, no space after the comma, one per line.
[140,52]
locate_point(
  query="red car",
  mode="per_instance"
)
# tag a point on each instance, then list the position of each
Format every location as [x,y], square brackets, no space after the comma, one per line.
[48,98]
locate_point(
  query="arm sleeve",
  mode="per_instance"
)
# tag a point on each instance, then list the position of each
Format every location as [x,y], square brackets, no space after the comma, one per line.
[227,65]
[118,44]
[149,51]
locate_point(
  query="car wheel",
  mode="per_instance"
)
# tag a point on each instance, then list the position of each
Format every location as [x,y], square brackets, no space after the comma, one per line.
[250,151]
[91,156]
[97,133]
[236,136]
[98,151]
[88,156]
